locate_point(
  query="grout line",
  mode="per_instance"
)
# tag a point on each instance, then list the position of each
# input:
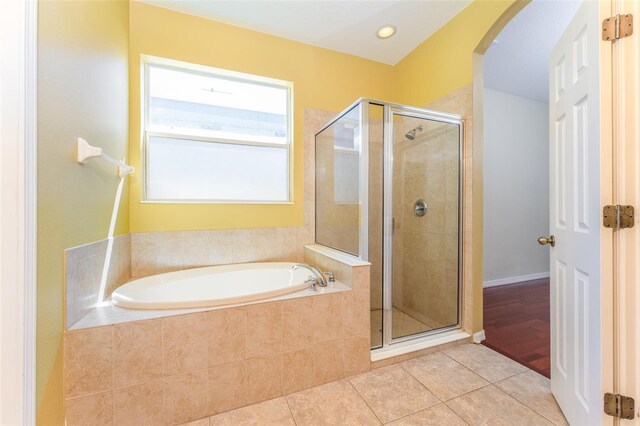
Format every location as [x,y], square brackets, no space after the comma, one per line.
[365,401]
[523,402]
[290,410]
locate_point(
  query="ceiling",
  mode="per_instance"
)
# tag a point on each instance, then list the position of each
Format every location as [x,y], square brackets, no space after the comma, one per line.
[347,26]
[518,61]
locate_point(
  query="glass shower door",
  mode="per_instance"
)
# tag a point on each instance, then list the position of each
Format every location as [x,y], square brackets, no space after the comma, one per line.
[424,205]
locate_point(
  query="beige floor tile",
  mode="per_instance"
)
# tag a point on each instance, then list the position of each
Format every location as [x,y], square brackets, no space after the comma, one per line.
[443,376]
[491,406]
[486,363]
[336,403]
[273,412]
[201,422]
[392,393]
[434,416]
[534,391]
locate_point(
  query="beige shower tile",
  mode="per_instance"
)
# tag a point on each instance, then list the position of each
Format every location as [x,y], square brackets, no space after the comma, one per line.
[96,409]
[534,391]
[298,370]
[185,397]
[184,344]
[327,312]
[491,406]
[336,403]
[139,405]
[355,312]
[360,276]
[269,413]
[392,393]
[264,378]
[138,352]
[264,329]
[357,355]
[485,362]
[435,416]
[329,361]
[226,334]
[443,376]
[228,386]
[88,361]
[298,323]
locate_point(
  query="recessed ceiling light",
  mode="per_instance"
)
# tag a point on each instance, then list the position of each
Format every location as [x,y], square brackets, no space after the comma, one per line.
[386,32]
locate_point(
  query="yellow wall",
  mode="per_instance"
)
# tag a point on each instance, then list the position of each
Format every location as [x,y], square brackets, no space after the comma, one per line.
[443,62]
[323,79]
[82,91]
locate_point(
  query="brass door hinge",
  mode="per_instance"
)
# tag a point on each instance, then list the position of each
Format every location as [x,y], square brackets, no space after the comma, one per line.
[620,406]
[618,217]
[617,27]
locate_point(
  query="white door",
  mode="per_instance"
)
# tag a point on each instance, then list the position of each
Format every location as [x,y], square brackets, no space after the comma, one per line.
[574,109]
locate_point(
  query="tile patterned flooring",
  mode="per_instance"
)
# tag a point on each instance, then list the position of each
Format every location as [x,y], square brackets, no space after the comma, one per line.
[464,385]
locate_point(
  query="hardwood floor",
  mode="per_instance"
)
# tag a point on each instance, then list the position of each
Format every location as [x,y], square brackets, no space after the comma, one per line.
[516,323]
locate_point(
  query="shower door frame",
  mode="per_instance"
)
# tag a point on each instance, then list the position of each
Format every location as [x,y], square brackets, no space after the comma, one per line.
[389,109]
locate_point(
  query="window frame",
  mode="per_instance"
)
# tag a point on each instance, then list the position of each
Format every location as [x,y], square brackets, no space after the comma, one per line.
[146,132]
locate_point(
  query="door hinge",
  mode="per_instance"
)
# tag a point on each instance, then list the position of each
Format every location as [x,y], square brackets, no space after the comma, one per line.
[617,27]
[620,406]
[618,217]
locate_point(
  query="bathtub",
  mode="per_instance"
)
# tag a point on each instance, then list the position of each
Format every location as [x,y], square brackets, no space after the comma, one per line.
[211,286]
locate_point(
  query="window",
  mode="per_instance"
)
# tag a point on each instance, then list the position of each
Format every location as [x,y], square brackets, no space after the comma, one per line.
[213,135]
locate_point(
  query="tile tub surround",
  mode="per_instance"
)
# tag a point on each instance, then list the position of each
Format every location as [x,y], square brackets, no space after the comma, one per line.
[83,272]
[143,254]
[185,367]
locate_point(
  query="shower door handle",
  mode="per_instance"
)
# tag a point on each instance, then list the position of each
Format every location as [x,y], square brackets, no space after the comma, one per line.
[420,208]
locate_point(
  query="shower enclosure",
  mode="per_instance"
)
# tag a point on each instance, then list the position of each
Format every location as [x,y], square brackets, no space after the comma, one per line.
[388,189]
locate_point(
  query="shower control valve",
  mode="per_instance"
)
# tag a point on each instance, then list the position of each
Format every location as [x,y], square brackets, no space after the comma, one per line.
[420,208]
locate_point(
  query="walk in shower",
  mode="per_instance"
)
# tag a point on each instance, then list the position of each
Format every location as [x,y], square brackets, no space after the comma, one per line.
[388,189]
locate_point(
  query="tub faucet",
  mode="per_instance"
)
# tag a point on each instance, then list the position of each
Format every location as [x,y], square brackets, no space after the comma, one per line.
[319,279]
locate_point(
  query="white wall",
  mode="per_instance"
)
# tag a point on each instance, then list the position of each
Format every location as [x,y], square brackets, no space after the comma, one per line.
[516,188]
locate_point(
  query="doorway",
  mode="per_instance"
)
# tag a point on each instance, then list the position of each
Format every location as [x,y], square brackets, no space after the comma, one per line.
[516,194]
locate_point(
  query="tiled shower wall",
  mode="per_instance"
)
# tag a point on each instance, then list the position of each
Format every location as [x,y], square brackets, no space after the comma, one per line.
[461,102]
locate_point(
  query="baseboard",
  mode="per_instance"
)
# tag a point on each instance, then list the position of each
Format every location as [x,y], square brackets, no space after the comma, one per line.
[513,280]
[479,337]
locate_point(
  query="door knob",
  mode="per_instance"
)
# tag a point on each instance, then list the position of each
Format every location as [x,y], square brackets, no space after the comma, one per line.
[544,240]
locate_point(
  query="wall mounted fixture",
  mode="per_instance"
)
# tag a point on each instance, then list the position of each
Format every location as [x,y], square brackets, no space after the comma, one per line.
[87,152]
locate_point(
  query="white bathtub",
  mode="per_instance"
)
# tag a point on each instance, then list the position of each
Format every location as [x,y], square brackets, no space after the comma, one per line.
[211,286]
